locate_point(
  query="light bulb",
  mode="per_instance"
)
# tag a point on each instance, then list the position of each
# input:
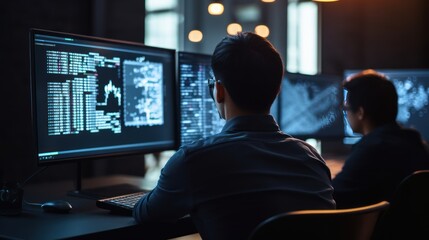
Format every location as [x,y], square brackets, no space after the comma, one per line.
[234,28]
[215,8]
[195,36]
[262,31]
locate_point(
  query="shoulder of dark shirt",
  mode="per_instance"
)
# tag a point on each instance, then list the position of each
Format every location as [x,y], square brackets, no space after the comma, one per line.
[391,134]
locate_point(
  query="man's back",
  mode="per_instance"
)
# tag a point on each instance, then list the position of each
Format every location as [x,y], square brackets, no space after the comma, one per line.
[232,181]
[377,164]
[246,174]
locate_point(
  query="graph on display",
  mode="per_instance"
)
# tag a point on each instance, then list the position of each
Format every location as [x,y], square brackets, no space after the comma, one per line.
[143,79]
[310,106]
[413,99]
[93,97]
[75,102]
[86,94]
[111,89]
[412,87]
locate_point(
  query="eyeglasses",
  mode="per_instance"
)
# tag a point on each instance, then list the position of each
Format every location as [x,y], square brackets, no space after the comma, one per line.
[211,82]
[346,108]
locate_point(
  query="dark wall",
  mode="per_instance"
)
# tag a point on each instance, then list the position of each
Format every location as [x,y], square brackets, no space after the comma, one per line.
[117,19]
[374,34]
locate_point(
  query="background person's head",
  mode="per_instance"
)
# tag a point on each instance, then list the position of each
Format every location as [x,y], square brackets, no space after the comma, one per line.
[250,69]
[371,100]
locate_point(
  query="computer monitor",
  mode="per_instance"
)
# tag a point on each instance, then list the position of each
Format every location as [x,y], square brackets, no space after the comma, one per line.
[310,106]
[199,116]
[412,86]
[98,98]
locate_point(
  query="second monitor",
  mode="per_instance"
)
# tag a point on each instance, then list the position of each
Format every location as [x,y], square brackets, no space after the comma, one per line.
[310,106]
[199,116]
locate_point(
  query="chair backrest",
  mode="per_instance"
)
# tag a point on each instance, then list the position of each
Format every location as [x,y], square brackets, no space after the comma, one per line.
[408,214]
[335,224]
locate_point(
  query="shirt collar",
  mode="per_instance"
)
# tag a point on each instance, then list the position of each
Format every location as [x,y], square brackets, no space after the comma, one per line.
[383,128]
[255,123]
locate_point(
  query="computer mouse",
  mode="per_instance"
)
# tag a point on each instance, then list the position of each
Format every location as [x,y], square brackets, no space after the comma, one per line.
[57,206]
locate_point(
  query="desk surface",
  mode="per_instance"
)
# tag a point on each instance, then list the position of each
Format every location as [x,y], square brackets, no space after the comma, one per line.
[86,220]
[335,163]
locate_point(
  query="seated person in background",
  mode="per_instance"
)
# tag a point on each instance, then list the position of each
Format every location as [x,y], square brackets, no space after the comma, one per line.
[231,181]
[386,154]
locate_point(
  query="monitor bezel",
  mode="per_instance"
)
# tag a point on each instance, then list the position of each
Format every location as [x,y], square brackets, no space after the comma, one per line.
[318,77]
[111,155]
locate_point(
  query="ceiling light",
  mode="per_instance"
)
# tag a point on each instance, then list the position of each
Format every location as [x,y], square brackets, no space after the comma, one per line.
[195,36]
[262,31]
[215,8]
[234,28]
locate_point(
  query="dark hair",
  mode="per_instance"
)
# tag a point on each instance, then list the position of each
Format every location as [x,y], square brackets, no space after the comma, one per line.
[250,68]
[375,94]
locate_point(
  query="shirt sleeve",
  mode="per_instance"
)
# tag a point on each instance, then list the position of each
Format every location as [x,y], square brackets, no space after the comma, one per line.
[171,198]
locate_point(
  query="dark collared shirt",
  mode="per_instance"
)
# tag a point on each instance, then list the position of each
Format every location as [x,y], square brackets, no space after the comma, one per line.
[233,180]
[377,164]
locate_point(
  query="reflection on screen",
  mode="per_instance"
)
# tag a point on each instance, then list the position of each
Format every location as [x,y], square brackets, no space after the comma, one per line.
[310,106]
[412,87]
[200,117]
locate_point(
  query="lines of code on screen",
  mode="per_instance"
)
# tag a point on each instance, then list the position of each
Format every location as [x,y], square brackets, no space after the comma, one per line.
[200,117]
[96,97]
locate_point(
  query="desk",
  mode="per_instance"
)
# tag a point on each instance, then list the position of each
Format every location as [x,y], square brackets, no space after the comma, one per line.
[86,220]
[335,163]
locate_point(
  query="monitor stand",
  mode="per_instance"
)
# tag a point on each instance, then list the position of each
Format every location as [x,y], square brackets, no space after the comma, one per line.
[100,192]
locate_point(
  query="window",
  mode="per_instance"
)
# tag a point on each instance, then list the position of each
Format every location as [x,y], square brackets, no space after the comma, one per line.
[162,23]
[303,38]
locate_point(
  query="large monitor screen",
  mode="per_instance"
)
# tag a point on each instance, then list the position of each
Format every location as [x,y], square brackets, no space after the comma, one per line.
[310,106]
[95,97]
[199,116]
[412,86]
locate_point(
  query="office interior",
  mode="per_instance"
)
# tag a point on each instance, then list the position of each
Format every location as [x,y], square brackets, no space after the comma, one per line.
[351,34]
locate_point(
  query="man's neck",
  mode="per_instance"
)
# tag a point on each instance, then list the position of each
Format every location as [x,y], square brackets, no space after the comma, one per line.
[234,111]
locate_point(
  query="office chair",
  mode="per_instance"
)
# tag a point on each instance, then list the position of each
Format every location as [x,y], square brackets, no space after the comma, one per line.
[334,224]
[408,214]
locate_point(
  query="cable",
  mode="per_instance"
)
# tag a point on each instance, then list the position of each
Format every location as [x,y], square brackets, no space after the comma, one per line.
[32,203]
[32,175]
[28,179]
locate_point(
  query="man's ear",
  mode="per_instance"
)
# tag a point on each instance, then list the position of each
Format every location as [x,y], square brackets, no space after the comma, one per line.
[220,92]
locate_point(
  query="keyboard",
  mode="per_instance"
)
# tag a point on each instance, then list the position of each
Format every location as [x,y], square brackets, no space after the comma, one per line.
[122,204]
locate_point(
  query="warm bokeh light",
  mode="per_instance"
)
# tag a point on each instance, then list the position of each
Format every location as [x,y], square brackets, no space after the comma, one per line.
[268,1]
[195,36]
[215,8]
[262,30]
[234,28]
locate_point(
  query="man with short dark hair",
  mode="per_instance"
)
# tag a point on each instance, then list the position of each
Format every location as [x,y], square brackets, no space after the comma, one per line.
[231,181]
[386,154]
